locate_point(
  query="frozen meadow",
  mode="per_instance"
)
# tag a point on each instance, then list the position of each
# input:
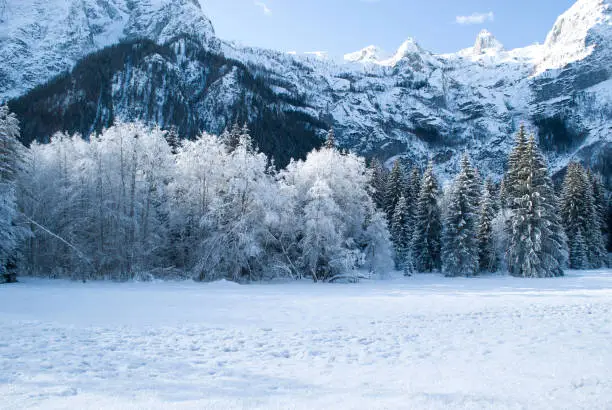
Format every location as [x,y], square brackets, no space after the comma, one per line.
[424,342]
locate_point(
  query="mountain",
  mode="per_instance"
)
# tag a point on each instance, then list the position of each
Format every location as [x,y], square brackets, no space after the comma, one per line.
[97,61]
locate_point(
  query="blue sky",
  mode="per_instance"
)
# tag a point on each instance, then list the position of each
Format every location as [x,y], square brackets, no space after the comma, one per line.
[342,26]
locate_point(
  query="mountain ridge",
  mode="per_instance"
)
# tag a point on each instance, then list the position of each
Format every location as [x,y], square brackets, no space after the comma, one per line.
[415,104]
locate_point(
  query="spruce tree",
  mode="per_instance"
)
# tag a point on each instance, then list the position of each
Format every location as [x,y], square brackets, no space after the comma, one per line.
[536,240]
[400,234]
[487,256]
[378,183]
[579,213]
[394,189]
[492,190]
[578,255]
[511,178]
[412,190]
[330,141]
[427,225]
[460,250]
[599,200]
[231,138]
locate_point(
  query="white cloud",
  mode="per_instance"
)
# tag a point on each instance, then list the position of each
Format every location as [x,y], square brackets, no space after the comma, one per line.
[475,18]
[264,7]
[322,55]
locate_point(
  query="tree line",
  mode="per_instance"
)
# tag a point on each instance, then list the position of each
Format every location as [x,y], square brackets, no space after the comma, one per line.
[520,225]
[138,202]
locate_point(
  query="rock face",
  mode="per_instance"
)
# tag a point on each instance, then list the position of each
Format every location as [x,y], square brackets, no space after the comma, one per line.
[171,70]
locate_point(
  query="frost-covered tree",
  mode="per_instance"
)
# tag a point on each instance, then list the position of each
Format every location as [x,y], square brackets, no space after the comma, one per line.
[580,213]
[487,254]
[11,155]
[100,206]
[237,225]
[394,189]
[401,235]
[427,225]
[459,245]
[536,243]
[334,211]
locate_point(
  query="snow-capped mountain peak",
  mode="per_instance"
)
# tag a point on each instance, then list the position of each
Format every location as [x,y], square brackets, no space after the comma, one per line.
[408,47]
[486,42]
[370,54]
[576,33]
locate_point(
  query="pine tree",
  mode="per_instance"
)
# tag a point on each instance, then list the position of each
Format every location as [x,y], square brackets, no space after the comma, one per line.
[492,190]
[460,250]
[330,142]
[10,162]
[378,183]
[487,256]
[173,139]
[579,213]
[536,241]
[231,138]
[599,200]
[578,255]
[400,234]
[511,178]
[412,190]
[394,189]
[427,227]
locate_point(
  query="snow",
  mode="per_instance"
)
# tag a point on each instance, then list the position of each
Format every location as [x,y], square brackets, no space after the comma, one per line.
[474,98]
[568,41]
[422,342]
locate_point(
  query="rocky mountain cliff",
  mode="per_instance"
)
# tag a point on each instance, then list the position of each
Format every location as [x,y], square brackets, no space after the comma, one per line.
[80,65]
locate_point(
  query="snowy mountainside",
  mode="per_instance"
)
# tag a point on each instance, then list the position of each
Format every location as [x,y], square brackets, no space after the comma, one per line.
[40,39]
[411,103]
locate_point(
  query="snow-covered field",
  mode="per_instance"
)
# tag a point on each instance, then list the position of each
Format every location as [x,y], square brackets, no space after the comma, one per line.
[425,342]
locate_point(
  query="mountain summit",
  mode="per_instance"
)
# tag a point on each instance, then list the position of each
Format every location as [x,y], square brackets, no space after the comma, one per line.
[486,41]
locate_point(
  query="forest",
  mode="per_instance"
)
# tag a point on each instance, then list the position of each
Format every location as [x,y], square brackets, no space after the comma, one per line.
[135,202]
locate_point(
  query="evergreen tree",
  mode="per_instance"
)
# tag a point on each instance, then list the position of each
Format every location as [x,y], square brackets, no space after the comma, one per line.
[400,235]
[394,189]
[491,188]
[10,162]
[578,255]
[378,183]
[460,250]
[580,213]
[173,139]
[536,241]
[609,223]
[412,190]
[427,226]
[487,256]
[330,142]
[511,178]
[231,138]
[599,200]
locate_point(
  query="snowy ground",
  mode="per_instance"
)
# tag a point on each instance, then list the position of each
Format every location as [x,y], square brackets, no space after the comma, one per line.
[425,342]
